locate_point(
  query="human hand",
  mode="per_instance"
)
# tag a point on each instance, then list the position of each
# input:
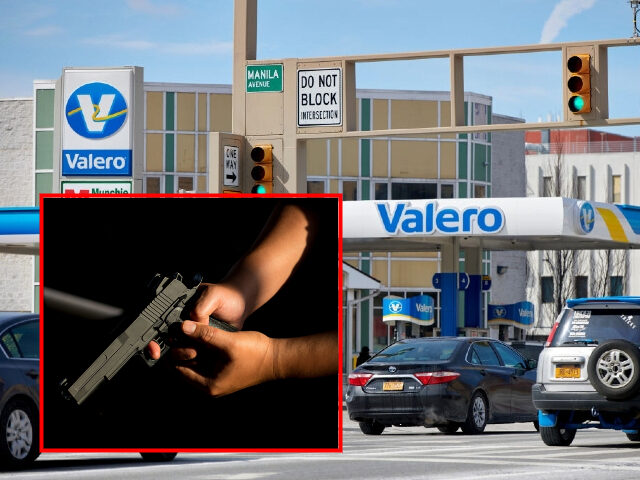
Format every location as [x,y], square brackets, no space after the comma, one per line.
[221,362]
[220,300]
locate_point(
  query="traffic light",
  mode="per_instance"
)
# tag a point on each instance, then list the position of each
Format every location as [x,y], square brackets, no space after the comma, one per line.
[262,171]
[579,83]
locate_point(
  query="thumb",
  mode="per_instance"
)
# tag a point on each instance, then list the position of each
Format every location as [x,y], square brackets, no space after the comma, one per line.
[210,336]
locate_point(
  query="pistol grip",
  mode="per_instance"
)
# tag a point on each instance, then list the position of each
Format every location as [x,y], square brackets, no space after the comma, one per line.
[222,325]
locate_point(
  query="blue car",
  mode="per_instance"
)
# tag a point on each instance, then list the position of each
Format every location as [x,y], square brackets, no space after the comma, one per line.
[19,390]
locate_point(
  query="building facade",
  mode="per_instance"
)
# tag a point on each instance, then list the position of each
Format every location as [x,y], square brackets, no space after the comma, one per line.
[593,166]
[178,117]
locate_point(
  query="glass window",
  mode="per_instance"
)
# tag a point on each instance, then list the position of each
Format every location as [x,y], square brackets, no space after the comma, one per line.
[581,188]
[411,351]
[616,189]
[22,341]
[350,190]
[185,184]
[408,191]
[582,286]
[547,187]
[152,185]
[601,324]
[381,191]
[315,186]
[485,353]
[446,191]
[509,357]
[546,289]
[479,191]
[616,286]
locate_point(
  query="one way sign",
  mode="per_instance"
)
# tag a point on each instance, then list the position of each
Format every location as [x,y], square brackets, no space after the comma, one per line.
[231,155]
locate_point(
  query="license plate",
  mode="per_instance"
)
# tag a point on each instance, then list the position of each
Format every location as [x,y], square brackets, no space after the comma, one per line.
[568,371]
[392,386]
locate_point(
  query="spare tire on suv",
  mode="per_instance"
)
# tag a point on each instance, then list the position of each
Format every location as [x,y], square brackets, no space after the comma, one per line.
[614,369]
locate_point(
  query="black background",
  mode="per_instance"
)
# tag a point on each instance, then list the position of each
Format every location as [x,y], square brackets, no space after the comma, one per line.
[107,249]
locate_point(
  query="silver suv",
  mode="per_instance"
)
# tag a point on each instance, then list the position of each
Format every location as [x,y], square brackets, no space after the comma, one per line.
[589,371]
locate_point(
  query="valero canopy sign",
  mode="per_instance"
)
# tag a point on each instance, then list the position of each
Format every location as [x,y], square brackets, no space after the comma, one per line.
[417,310]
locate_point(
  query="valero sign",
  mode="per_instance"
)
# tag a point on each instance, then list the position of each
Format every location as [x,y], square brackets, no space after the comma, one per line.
[97,130]
[401,217]
[418,309]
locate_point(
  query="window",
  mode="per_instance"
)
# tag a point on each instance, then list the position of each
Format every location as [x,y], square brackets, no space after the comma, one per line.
[350,190]
[509,357]
[485,353]
[547,187]
[185,184]
[381,191]
[479,191]
[582,286]
[153,185]
[616,286]
[446,191]
[581,188]
[408,191]
[616,189]
[315,186]
[546,289]
[22,341]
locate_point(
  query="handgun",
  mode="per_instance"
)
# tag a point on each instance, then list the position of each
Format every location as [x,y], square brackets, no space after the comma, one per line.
[154,323]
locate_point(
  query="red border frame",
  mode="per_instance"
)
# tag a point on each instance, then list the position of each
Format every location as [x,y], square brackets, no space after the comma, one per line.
[339,449]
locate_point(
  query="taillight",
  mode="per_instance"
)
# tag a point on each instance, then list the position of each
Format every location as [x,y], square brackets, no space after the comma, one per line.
[551,334]
[433,378]
[359,379]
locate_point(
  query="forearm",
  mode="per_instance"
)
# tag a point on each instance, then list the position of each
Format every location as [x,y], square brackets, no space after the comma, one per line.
[306,357]
[283,242]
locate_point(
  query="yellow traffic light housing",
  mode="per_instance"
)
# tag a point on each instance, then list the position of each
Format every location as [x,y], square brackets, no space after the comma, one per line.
[579,83]
[262,171]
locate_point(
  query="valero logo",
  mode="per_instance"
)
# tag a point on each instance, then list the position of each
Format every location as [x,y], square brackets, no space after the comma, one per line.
[586,217]
[96,110]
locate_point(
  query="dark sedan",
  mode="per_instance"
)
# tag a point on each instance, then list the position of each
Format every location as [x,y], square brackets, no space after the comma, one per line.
[19,370]
[443,382]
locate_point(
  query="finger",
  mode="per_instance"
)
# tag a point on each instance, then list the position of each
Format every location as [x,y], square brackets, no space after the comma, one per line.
[210,336]
[153,349]
[184,354]
[195,378]
[205,305]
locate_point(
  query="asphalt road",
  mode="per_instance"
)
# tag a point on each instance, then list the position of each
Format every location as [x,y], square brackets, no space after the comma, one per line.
[503,452]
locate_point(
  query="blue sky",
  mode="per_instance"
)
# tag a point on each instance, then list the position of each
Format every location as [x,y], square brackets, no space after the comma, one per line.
[191,41]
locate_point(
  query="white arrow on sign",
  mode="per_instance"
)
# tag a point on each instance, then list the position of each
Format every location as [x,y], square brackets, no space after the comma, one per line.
[231,159]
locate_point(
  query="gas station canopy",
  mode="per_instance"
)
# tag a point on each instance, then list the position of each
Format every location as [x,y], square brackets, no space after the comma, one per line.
[523,223]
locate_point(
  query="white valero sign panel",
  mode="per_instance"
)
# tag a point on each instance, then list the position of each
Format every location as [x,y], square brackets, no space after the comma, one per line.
[97,127]
[320,97]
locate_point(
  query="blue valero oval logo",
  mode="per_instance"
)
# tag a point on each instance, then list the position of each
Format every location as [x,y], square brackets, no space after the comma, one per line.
[395,306]
[587,217]
[96,110]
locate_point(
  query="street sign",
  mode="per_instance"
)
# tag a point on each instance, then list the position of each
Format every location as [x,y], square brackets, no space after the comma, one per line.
[264,78]
[231,159]
[320,97]
[95,187]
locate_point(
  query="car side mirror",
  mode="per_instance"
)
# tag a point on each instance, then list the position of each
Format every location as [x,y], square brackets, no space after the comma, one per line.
[531,363]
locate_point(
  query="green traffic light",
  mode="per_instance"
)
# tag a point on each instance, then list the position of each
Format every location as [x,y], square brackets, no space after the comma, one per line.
[576,103]
[258,189]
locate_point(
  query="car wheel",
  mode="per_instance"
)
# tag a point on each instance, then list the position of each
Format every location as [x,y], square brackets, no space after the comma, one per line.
[634,437]
[18,433]
[477,415]
[557,437]
[448,428]
[158,456]
[614,369]
[536,425]
[371,428]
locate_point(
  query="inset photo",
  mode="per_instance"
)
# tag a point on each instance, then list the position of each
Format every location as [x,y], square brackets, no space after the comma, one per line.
[191,323]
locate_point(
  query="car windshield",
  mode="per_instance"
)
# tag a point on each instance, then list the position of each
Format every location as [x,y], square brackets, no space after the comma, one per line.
[404,351]
[585,325]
